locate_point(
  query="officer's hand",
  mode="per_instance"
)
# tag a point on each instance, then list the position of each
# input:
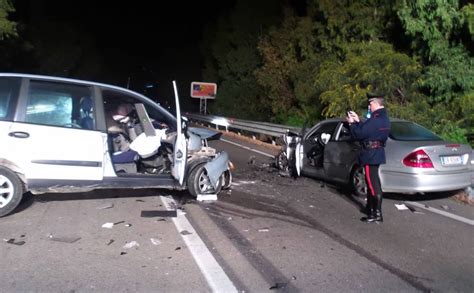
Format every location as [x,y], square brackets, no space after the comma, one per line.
[353,115]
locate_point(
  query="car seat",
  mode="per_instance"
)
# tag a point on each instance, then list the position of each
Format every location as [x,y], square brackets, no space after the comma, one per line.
[87,122]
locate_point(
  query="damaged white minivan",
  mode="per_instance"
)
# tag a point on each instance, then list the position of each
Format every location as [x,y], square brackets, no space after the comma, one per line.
[65,135]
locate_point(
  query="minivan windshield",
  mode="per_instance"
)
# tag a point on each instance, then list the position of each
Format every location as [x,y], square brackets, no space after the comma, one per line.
[411,131]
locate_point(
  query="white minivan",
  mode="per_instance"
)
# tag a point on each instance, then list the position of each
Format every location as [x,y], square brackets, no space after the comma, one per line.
[66,135]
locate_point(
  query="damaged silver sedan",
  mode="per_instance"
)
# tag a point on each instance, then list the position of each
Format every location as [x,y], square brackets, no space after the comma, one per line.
[65,135]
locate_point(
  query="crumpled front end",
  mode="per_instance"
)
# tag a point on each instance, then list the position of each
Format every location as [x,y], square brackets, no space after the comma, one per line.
[217,167]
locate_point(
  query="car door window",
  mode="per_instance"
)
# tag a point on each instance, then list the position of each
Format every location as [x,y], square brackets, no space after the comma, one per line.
[324,132]
[345,132]
[60,104]
[8,92]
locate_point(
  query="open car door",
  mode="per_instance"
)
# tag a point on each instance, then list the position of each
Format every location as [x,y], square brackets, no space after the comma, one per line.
[299,153]
[180,146]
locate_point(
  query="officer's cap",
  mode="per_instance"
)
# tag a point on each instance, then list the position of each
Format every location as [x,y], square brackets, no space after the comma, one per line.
[372,96]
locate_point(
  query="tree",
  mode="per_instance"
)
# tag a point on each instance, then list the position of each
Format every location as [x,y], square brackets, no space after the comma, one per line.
[7,27]
[230,57]
[368,65]
[435,27]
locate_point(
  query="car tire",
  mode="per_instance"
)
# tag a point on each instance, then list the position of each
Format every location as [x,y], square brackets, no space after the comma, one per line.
[11,191]
[281,161]
[358,184]
[198,182]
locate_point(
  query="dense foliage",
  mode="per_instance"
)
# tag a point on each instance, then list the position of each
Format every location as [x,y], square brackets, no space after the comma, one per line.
[320,59]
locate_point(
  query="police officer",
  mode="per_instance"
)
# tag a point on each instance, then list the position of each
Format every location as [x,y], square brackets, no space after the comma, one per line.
[372,133]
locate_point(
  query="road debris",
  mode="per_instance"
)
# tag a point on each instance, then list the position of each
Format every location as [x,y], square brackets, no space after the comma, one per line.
[206,197]
[12,241]
[278,286]
[263,230]
[401,207]
[445,207]
[71,239]
[178,248]
[110,242]
[155,241]
[140,200]
[119,222]
[252,160]
[166,213]
[108,225]
[106,206]
[131,244]
[185,232]
[123,253]
[128,225]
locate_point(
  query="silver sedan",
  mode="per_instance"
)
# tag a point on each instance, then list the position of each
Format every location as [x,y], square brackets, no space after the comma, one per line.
[417,159]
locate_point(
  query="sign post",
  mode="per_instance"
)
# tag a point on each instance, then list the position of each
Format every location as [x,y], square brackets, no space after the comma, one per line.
[203,91]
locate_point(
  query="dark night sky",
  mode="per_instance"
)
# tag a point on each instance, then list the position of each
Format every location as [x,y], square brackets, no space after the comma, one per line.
[154,41]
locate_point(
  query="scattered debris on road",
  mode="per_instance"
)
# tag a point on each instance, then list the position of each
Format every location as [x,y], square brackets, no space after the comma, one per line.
[278,286]
[106,206]
[445,207]
[155,241]
[185,232]
[110,242]
[401,207]
[252,160]
[128,225]
[12,241]
[123,253]
[70,239]
[263,230]
[131,244]
[119,222]
[206,197]
[140,200]
[151,214]
[108,225]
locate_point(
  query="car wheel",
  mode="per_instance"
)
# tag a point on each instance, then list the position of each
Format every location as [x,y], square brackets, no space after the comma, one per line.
[281,161]
[11,191]
[199,183]
[358,184]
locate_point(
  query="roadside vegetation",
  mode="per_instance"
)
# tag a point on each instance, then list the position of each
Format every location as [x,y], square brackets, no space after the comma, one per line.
[313,59]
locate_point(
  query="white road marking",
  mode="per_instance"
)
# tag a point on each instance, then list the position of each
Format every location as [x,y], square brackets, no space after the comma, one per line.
[212,271]
[247,148]
[440,212]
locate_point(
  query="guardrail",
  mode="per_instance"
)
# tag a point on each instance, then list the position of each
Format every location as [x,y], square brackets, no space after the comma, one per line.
[270,129]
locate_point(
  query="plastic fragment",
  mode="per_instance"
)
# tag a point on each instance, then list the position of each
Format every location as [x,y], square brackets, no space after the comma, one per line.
[155,241]
[185,232]
[12,241]
[71,239]
[131,244]
[108,225]
[106,206]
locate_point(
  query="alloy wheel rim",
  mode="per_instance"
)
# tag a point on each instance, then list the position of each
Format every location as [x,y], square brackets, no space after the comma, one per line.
[359,182]
[205,183]
[6,191]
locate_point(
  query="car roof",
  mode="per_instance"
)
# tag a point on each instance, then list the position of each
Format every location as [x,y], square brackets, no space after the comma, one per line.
[70,80]
[343,119]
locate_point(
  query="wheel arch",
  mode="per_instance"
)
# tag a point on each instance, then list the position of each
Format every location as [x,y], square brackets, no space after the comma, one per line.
[16,169]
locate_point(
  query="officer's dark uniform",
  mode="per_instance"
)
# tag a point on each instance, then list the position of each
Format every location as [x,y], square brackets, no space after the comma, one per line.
[373,134]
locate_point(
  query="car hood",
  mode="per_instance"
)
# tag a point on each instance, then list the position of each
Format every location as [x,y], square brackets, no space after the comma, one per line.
[205,133]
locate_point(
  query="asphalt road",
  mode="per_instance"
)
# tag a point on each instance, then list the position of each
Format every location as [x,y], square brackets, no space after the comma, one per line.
[267,233]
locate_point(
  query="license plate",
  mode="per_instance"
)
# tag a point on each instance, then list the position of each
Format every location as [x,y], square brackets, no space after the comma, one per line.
[451,160]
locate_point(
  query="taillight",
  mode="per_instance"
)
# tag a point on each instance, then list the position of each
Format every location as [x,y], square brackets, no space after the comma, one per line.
[418,159]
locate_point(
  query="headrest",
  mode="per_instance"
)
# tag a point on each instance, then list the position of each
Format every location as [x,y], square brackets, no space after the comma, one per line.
[86,104]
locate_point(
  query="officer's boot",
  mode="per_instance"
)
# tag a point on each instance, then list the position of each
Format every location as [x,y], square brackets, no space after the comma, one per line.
[378,209]
[370,209]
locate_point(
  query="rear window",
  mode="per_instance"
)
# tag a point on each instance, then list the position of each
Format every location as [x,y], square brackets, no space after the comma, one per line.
[411,131]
